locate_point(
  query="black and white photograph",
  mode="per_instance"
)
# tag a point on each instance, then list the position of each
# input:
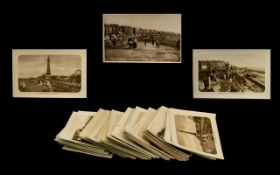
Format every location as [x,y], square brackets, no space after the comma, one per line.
[142,38]
[49,73]
[231,74]
[196,132]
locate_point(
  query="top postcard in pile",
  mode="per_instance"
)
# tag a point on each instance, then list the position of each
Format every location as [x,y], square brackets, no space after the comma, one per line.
[142,38]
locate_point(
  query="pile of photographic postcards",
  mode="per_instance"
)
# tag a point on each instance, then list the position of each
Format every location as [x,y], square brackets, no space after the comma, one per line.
[138,133]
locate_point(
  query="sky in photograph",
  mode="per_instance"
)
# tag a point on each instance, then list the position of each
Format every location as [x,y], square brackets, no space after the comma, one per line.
[241,58]
[36,65]
[162,22]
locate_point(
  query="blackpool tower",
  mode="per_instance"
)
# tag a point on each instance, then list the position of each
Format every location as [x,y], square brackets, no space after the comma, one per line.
[48,67]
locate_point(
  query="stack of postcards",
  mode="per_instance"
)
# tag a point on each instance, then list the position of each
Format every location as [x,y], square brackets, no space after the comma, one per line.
[165,133]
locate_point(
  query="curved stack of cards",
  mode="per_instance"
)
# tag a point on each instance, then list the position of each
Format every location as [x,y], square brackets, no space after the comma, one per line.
[138,133]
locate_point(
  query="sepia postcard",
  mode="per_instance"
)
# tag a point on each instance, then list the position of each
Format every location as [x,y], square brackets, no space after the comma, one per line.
[142,38]
[138,133]
[49,73]
[155,132]
[232,74]
[119,136]
[69,136]
[196,132]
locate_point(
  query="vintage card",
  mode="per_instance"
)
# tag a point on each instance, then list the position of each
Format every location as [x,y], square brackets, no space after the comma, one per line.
[49,73]
[196,132]
[232,74]
[142,38]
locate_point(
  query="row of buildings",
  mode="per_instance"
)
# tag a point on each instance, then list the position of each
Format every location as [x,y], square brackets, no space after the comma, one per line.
[165,38]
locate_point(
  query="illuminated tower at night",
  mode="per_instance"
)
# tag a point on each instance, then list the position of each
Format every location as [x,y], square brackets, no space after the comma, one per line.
[48,67]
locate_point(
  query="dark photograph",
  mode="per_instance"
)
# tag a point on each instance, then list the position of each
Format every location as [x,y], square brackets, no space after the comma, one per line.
[149,38]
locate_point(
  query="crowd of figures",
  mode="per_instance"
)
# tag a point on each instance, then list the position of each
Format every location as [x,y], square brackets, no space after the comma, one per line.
[121,41]
[51,84]
[240,80]
[153,40]
[118,36]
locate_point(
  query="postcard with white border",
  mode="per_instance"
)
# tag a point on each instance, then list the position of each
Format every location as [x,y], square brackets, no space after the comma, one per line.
[231,73]
[42,73]
[196,132]
[142,38]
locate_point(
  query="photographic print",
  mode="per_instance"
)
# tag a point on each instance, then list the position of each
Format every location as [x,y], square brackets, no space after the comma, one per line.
[49,73]
[137,38]
[240,73]
[196,132]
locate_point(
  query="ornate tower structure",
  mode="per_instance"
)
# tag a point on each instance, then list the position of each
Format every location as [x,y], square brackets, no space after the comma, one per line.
[48,67]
